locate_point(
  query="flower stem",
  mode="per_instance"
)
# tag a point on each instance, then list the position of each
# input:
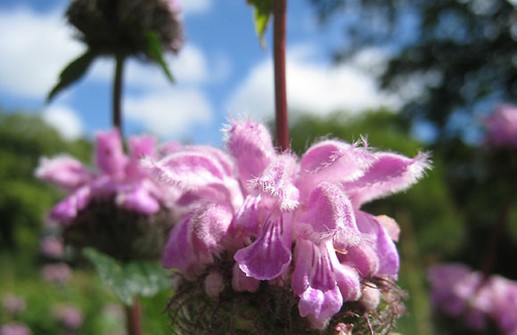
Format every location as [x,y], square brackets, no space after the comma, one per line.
[133,318]
[117,92]
[279,29]
[493,244]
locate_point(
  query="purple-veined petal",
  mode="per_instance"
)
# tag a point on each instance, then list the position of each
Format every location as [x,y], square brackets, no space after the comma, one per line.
[138,199]
[382,243]
[305,260]
[319,306]
[241,282]
[247,219]
[277,182]
[270,254]
[109,153]
[251,146]
[63,171]
[328,213]
[332,161]
[390,173]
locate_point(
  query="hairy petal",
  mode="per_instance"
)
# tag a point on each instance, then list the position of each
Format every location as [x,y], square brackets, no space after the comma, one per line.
[196,239]
[109,153]
[269,255]
[277,182]
[63,171]
[251,146]
[390,173]
[328,214]
[332,161]
[192,171]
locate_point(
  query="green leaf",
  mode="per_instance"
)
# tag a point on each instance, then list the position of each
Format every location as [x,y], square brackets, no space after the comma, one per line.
[72,72]
[261,15]
[142,278]
[155,52]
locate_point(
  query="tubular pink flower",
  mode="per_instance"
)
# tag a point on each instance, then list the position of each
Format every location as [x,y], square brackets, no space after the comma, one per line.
[119,178]
[275,204]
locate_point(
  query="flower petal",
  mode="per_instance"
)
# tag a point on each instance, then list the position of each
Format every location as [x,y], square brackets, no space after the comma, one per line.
[64,171]
[66,210]
[251,146]
[328,213]
[269,255]
[381,242]
[390,173]
[241,282]
[109,153]
[138,199]
[332,160]
[139,147]
[277,182]
[320,306]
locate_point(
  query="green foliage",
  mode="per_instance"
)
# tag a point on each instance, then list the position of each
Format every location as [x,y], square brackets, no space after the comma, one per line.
[72,72]
[262,11]
[155,52]
[466,47]
[129,280]
[24,138]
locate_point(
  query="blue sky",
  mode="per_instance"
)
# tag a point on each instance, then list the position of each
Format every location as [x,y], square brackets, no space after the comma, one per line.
[221,71]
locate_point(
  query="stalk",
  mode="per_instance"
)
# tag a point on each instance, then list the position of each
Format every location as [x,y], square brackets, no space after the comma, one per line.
[117,92]
[133,317]
[279,32]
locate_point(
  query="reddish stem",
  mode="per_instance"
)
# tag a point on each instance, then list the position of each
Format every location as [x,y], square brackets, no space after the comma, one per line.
[279,29]
[133,318]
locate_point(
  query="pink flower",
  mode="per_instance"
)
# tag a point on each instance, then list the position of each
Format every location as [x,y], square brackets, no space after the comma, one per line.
[461,292]
[257,205]
[501,127]
[13,304]
[58,273]
[14,328]
[69,316]
[119,178]
[52,247]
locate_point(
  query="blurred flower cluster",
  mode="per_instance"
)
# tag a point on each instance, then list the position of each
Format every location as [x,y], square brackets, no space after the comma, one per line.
[122,26]
[478,300]
[501,127]
[254,220]
[117,199]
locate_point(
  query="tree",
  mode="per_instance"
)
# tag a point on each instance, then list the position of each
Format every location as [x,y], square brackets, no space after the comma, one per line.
[464,50]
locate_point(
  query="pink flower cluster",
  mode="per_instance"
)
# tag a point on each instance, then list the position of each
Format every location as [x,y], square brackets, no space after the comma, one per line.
[460,292]
[14,328]
[285,220]
[501,127]
[118,177]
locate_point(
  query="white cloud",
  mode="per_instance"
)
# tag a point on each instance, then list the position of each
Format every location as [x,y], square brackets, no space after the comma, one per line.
[312,87]
[189,67]
[65,120]
[34,49]
[170,113]
[196,6]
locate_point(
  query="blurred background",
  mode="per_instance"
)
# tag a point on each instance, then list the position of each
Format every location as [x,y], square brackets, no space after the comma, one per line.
[408,75]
